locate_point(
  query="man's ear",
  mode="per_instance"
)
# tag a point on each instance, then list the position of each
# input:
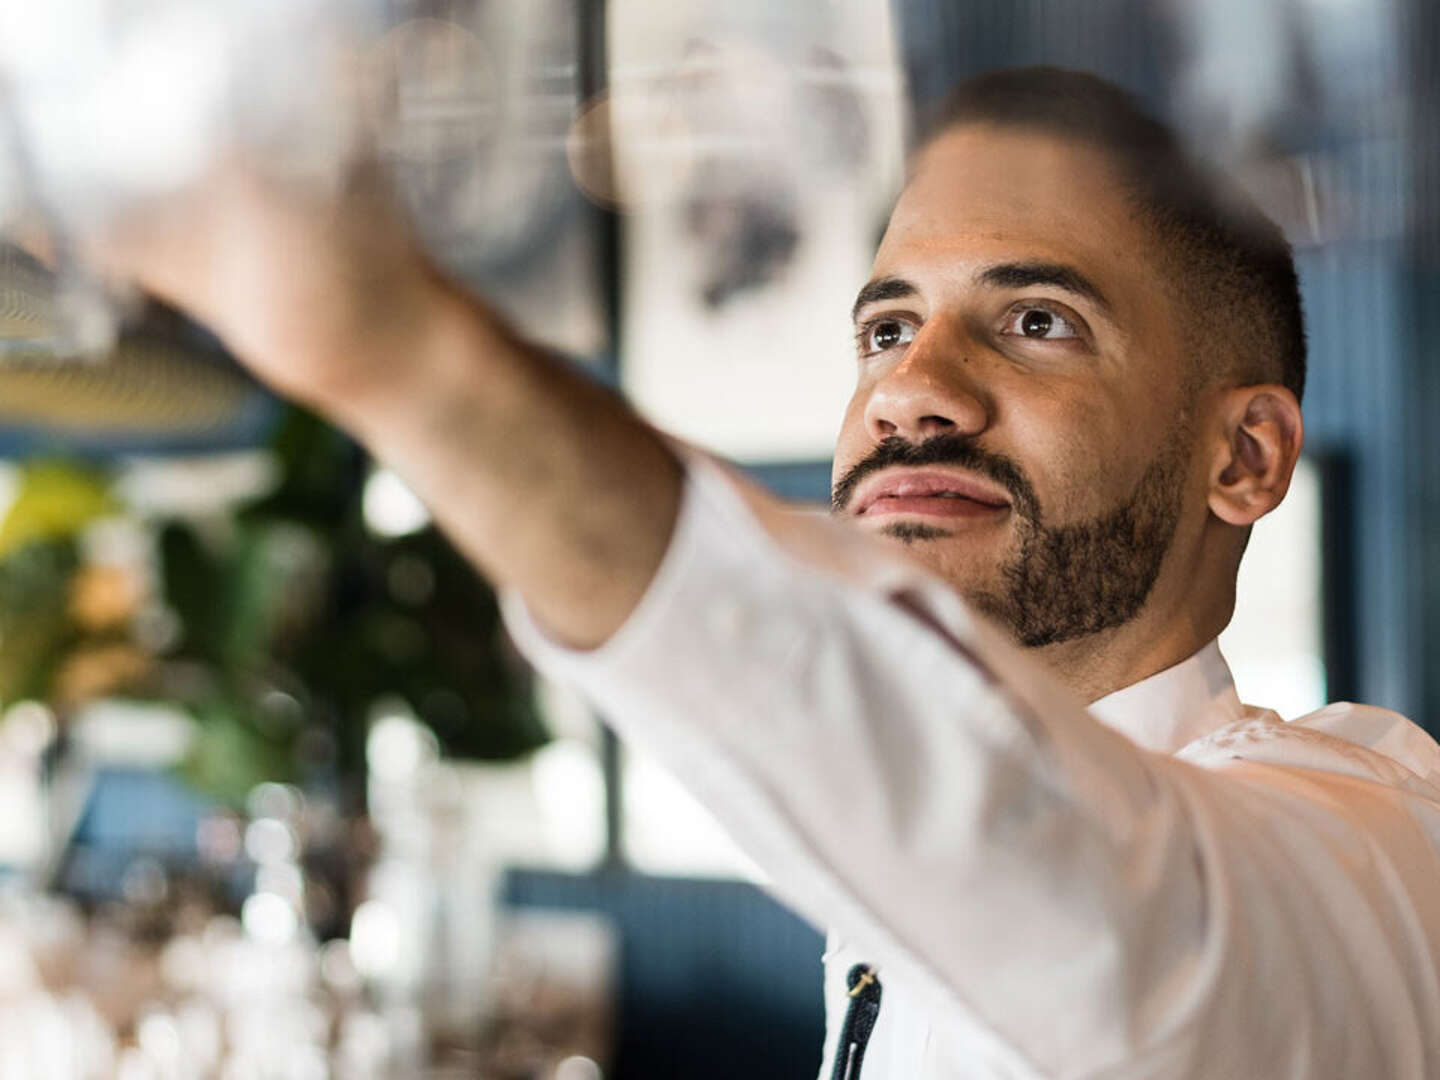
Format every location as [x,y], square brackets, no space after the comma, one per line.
[1261,432]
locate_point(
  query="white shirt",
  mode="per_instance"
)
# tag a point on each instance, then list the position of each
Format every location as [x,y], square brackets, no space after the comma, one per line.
[1169,884]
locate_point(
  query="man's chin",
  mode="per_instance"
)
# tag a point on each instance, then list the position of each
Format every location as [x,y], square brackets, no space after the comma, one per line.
[971,564]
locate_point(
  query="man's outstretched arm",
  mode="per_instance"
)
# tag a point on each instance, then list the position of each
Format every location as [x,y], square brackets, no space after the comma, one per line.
[545,480]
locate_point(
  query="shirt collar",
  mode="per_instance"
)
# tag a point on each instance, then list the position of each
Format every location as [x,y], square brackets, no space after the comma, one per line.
[1175,706]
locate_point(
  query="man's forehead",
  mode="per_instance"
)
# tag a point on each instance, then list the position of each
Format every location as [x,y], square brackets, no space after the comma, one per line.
[1015,167]
[983,194]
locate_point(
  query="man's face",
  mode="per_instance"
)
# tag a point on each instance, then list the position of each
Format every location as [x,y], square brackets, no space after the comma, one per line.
[1018,419]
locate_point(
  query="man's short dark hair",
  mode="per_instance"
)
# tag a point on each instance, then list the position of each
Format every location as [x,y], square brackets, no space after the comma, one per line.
[1231,266]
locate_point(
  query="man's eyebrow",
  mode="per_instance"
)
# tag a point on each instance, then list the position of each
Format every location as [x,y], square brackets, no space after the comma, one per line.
[1024,274]
[885,288]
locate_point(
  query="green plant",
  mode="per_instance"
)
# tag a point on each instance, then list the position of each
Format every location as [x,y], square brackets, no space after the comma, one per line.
[295,619]
[42,629]
[289,620]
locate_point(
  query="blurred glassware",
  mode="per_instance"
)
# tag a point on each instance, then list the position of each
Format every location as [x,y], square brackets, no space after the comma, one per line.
[106,105]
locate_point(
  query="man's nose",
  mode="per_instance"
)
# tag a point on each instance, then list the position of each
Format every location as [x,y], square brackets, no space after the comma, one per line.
[932,390]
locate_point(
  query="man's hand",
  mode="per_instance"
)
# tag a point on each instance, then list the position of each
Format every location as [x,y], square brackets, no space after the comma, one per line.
[308,287]
[548,482]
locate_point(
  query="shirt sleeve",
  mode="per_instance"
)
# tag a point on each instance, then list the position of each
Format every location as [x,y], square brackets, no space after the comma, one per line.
[907,777]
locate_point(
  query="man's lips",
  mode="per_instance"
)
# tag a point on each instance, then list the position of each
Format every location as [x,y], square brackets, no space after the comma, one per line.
[936,492]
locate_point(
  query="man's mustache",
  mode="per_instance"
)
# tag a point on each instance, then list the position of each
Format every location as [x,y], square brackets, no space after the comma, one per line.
[957,450]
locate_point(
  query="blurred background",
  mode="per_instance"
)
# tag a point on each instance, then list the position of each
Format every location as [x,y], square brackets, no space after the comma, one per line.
[277,798]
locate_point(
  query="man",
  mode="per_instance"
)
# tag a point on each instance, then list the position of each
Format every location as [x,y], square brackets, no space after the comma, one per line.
[1080,365]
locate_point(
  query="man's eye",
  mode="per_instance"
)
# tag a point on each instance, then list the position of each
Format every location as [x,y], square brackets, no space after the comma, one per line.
[1039,324]
[884,334]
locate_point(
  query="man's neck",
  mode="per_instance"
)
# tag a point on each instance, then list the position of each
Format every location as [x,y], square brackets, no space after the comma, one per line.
[1099,664]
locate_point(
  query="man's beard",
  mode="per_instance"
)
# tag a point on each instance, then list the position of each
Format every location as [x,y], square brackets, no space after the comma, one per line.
[1066,581]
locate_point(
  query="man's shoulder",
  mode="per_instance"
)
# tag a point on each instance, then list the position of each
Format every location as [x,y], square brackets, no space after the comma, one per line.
[1382,731]
[1364,741]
